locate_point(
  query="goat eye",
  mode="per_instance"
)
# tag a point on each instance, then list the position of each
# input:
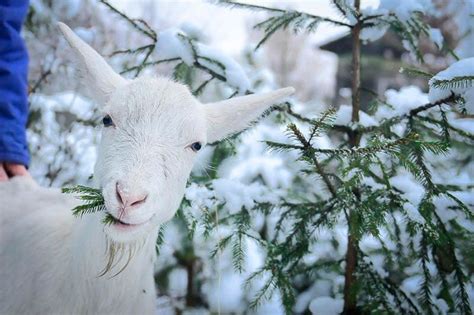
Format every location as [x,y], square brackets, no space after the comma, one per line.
[196,146]
[108,122]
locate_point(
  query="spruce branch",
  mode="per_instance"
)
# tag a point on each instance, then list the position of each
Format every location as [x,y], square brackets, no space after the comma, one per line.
[386,147]
[412,158]
[202,86]
[93,201]
[307,152]
[346,9]
[368,151]
[221,245]
[242,221]
[160,239]
[414,72]
[92,198]
[367,20]
[143,28]
[200,62]
[412,113]
[387,122]
[132,51]
[135,23]
[446,126]
[322,123]
[277,146]
[425,294]
[385,284]
[462,297]
[148,64]
[461,82]
[287,108]
[235,4]
[274,24]
[283,19]
[265,292]
[409,30]
[109,220]
[341,6]
[453,54]
[469,213]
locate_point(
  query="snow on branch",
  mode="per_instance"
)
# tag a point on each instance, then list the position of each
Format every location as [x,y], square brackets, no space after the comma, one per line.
[236,4]
[457,79]
[173,45]
[413,112]
[376,147]
[291,19]
[405,18]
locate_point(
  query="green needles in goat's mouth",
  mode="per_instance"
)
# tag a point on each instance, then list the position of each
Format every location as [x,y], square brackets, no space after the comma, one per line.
[92,201]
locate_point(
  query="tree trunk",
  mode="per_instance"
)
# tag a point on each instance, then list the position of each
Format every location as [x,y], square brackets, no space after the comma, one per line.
[350,294]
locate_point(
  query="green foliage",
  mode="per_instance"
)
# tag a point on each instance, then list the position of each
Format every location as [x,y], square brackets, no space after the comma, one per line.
[369,209]
[375,207]
[461,82]
[275,23]
[410,31]
[160,239]
[109,219]
[349,183]
[143,27]
[415,72]
[185,73]
[92,199]
[372,208]
[294,20]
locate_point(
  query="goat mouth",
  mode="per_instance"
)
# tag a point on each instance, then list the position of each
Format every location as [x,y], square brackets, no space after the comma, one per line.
[119,223]
[125,223]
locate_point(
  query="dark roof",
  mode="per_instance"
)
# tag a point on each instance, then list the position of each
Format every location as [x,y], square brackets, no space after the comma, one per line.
[389,42]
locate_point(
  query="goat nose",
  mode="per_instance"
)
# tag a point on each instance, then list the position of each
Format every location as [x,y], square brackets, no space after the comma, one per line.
[128,199]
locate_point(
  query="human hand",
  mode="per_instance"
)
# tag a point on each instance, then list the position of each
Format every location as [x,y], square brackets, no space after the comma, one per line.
[8,170]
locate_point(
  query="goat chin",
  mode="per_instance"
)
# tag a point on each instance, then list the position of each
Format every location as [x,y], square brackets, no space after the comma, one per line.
[54,263]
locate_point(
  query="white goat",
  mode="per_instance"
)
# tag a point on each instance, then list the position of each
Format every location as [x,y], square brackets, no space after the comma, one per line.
[153,127]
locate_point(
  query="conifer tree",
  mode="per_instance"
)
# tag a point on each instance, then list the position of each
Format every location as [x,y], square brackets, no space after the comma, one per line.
[357,182]
[372,209]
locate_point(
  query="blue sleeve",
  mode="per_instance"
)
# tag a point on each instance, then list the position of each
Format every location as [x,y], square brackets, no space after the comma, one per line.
[13,83]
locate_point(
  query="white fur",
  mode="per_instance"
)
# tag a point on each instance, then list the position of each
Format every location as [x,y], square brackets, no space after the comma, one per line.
[50,261]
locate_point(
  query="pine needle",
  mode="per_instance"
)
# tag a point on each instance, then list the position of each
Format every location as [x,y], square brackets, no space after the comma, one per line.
[93,200]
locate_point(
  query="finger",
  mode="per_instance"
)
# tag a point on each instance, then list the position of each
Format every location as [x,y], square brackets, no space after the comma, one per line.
[3,174]
[14,169]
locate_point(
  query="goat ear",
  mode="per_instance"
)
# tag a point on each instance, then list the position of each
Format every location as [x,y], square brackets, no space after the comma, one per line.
[98,76]
[233,115]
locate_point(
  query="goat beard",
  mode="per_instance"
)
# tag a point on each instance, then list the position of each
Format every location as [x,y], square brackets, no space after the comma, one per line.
[116,253]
